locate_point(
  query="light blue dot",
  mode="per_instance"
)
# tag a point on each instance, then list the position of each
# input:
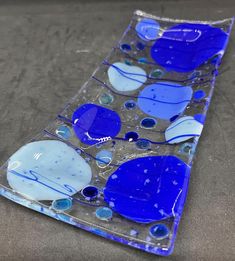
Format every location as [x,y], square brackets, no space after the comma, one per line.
[62,204]
[104,213]
[64,132]
[147,29]
[103,158]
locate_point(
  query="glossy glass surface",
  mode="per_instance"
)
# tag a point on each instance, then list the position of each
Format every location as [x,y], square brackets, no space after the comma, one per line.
[116,161]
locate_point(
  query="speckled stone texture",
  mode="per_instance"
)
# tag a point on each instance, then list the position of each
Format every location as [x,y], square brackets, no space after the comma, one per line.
[48,49]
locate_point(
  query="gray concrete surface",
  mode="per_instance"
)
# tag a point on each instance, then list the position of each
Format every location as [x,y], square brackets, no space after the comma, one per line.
[41,68]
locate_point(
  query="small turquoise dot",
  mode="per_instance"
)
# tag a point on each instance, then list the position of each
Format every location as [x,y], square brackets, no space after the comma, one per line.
[63,132]
[104,213]
[105,99]
[187,148]
[62,204]
[143,144]
[142,60]
[128,62]
[159,231]
[148,123]
[130,105]
[157,73]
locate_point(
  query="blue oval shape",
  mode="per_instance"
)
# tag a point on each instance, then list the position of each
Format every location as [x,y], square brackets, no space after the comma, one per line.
[138,189]
[186,46]
[62,204]
[147,29]
[91,121]
[159,231]
[164,100]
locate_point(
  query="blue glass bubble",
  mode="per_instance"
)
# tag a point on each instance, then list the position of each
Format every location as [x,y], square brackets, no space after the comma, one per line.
[103,158]
[187,148]
[47,170]
[128,62]
[131,136]
[125,78]
[186,46]
[164,100]
[134,232]
[138,189]
[63,132]
[104,213]
[91,121]
[200,117]
[140,46]
[130,105]
[90,192]
[62,204]
[143,144]
[106,99]
[183,129]
[142,60]
[199,94]
[156,74]
[147,29]
[148,123]
[159,231]
[125,47]
[195,74]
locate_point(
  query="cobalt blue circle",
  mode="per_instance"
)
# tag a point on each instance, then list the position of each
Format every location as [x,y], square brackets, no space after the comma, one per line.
[186,46]
[147,29]
[131,136]
[90,123]
[130,105]
[147,189]
[164,100]
[159,231]
[199,94]
[140,46]
[90,192]
[148,123]
[125,47]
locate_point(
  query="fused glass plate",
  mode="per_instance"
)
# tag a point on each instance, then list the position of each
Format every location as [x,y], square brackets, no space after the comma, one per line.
[116,162]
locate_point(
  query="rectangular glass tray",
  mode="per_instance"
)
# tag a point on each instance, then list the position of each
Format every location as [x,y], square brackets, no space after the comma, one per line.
[116,161]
